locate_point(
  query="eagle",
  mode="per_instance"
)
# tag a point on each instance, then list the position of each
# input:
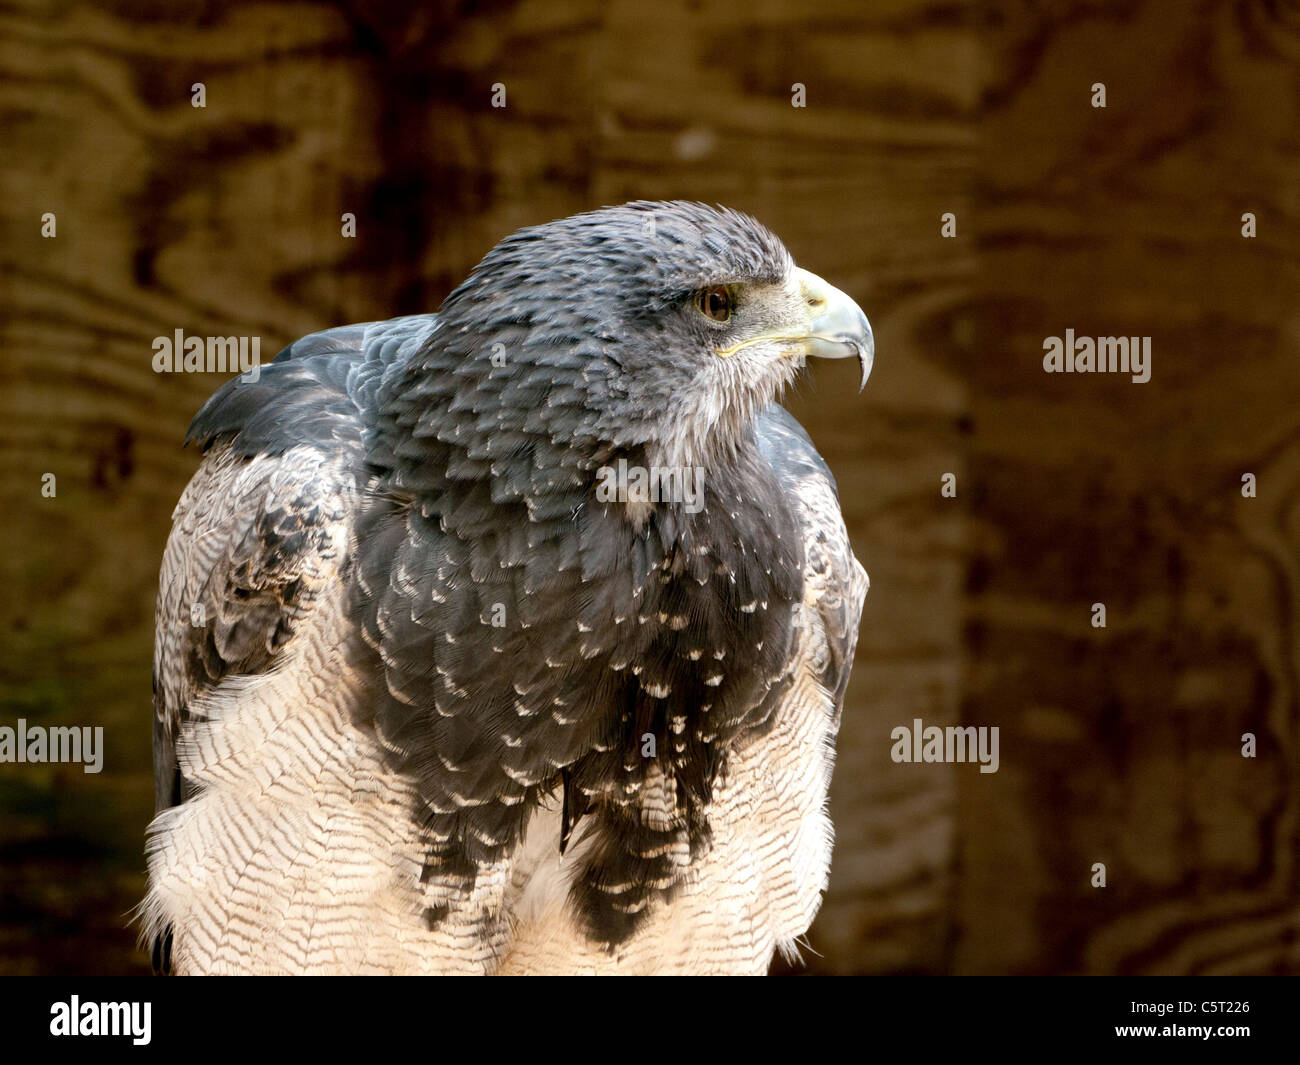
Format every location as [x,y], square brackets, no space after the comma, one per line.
[435,693]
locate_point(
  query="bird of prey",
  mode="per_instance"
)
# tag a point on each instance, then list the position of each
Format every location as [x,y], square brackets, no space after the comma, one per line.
[435,693]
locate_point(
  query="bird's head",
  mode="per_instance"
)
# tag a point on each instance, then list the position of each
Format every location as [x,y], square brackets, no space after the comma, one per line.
[667,325]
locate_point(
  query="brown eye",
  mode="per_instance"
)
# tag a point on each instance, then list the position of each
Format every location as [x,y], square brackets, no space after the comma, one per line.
[716,302]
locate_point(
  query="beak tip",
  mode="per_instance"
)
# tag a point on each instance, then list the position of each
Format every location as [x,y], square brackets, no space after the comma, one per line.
[866,353]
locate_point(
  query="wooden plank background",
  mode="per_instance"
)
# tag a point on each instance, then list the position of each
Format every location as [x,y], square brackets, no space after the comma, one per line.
[1118,745]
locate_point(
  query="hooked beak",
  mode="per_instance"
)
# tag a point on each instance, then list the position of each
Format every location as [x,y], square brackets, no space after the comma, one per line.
[839,329]
[835,327]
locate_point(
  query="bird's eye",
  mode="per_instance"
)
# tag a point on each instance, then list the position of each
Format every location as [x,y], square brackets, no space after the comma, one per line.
[716,303]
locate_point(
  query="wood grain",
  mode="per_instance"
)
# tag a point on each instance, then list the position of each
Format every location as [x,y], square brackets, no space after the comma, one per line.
[1123,745]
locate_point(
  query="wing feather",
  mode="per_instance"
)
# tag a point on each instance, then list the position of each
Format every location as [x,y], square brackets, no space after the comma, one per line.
[833,577]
